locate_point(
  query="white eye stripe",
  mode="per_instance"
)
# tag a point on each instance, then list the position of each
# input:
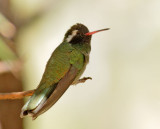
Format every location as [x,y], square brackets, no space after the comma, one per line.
[70,37]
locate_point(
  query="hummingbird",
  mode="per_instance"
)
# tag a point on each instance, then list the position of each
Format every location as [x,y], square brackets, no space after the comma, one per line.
[64,68]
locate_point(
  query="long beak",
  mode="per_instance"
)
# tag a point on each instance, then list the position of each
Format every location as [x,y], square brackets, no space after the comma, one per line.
[93,32]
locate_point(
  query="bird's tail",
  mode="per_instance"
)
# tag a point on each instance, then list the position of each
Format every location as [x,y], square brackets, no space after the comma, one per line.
[36,101]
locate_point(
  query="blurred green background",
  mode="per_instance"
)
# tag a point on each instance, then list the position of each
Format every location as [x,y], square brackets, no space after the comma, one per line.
[124,63]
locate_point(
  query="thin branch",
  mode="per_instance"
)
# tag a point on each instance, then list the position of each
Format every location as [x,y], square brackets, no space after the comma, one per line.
[16,95]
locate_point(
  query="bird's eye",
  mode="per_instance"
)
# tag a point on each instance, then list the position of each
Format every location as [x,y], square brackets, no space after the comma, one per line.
[78,33]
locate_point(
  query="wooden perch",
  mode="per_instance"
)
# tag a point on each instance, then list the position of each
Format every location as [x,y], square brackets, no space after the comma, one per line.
[16,95]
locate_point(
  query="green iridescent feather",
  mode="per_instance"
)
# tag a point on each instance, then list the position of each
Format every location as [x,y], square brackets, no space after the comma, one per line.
[64,56]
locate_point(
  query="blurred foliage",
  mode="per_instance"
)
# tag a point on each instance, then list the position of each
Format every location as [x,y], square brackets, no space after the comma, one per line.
[7,29]
[6,53]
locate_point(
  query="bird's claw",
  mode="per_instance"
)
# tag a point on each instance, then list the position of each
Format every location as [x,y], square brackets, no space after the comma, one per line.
[82,80]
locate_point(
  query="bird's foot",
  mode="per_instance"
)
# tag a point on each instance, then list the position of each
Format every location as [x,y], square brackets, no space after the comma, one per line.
[82,80]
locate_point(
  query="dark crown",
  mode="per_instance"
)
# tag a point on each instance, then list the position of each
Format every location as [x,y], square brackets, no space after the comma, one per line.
[76,34]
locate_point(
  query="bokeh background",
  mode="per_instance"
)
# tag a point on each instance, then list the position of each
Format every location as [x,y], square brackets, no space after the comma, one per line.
[124,61]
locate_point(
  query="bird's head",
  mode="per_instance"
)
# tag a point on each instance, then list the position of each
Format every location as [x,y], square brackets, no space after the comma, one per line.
[79,33]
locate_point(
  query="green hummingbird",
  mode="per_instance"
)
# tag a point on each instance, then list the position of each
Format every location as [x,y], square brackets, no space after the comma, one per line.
[64,68]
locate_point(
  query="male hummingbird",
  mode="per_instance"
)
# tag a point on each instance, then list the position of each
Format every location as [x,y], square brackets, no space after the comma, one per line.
[64,68]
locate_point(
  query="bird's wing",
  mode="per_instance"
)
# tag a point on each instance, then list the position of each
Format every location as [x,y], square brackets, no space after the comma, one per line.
[62,86]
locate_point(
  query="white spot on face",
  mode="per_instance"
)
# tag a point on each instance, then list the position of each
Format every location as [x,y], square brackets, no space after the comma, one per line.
[70,37]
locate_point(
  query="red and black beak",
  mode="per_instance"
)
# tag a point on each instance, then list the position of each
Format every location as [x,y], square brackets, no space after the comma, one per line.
[93,32]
